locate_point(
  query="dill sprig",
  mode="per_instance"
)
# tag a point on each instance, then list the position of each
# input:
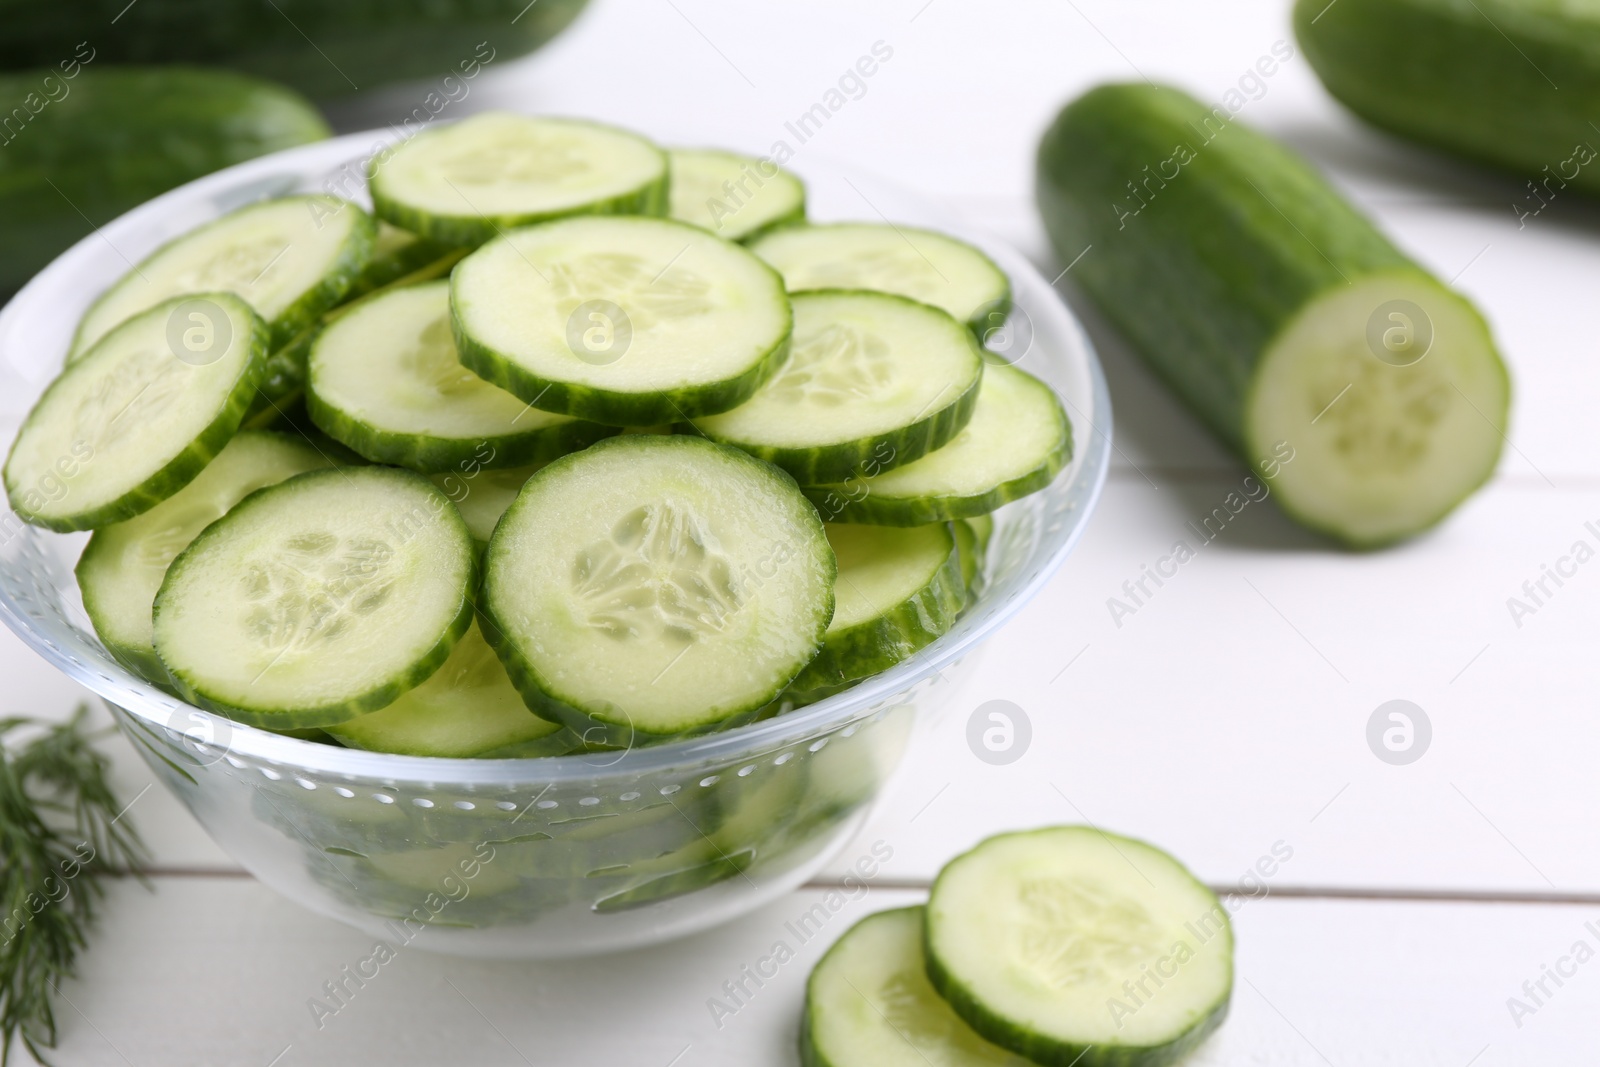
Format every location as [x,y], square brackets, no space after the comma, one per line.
[60,830]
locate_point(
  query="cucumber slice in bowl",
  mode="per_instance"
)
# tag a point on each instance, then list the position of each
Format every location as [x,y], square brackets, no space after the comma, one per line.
[897,591]
[873,381]
[122,565]
[289,259]
[929,267]
[624,321]
[650,587]
[467,708]
[735,197]
[1019,439]
[470,181]
[385,381]
[1069,945]
[869,1004]
[318,599]
[139,415]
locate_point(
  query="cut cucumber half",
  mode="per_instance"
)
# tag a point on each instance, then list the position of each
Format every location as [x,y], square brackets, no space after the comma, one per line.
[318,599]
[467,708]
[122,566]
[869,1004]
[873,381]
[289,259]
[898,589]
[482,496]
[624,321]
[470,181]
[735,197]
[139,415]
[1070,945]
[651,586]
[919,264]
[1019,439]
[384,380]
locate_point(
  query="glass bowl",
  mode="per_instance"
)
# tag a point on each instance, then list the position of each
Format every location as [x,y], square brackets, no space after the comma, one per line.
[535,857]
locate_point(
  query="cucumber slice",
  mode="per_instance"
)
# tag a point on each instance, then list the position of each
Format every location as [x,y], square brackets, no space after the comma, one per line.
[873,381]
[289,259]
[482,496]
[397,253]
[1070,945]
[869,1004]
[470,181]
[1368,393]
[735,197]
[318,599]
[898,589]
[654,586]
[625,321]
[122,566]
[384,380]
[1017,442]
[919,264]
[468,708]
[967,553]
[138,416]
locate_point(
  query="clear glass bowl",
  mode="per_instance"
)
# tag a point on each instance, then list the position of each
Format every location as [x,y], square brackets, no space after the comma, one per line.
[538,857]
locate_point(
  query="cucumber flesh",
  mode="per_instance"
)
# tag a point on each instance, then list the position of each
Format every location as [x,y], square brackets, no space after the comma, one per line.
[735,197]
[650,586]
[623,321]
[482,496]
[289,259]
[122,566]
[1019,439]
[920,264]
[869,1004]
[873,381]
[470,181]
[467,708]
[1070,945]
[318,599]
[385,381]
[139,415]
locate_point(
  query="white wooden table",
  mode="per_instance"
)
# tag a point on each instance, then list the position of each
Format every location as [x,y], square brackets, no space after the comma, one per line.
[1228,716]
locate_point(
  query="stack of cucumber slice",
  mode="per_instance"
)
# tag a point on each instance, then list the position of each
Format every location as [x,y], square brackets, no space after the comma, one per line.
[1062,946]
[540,459]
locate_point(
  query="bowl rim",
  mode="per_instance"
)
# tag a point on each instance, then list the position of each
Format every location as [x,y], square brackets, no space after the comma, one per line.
[1087,472]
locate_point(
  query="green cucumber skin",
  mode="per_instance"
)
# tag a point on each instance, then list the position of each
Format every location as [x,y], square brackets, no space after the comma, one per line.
[967,549]
[438,455]
[878,644]
[326,715]
[1015,1037]
[610,407]
[108,139]
[356,45]
[797,217]
[1475,79]
[183,467]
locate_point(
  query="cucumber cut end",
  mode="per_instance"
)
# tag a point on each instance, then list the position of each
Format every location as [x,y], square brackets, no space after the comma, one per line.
[1379,409]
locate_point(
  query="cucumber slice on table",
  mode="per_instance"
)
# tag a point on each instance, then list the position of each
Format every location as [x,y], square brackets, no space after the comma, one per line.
[122,566]
[873,381]
[651,586]
[318,599]
[467,708]
[920,264]
[735,197]
[1069,945]
[1017,442]
[384,380]
[869,1004]
[289,259]
[624,321]
[470,181]
[898,589]
[1366,391]
[139,415]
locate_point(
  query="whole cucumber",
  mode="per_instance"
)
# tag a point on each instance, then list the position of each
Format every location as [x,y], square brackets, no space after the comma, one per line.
[79,149]
[1364,391]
